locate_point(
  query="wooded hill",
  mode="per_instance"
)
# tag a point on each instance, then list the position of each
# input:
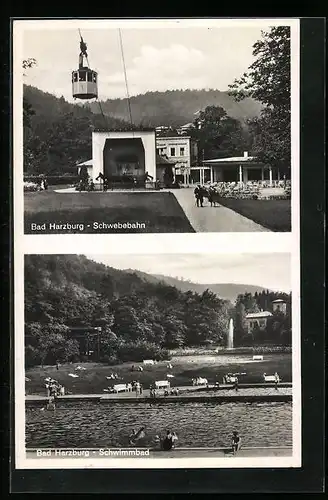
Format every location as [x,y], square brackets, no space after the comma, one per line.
[140,315]
[227,291]
[138,318]
[174,108]
[57,134]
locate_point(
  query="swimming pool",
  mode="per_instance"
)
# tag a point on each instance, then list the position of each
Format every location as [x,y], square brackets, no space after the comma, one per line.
[198,424]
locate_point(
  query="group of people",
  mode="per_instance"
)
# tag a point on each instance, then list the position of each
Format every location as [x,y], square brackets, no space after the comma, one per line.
[136,368]
[167,392]
[137,387]
[166,443]
[201,192]
[172,392]
[169,440]
[54,388]
[235,189]
[42,183]
[107,183]
[85,185]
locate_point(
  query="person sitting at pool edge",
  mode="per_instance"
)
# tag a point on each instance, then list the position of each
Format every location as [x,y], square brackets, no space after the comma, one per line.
[167,442]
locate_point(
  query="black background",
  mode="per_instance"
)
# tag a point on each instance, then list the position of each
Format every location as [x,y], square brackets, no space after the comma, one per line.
[308,478]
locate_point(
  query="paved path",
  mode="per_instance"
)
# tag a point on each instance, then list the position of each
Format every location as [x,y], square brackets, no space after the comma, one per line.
[187,393]
[213,219]
[109,191]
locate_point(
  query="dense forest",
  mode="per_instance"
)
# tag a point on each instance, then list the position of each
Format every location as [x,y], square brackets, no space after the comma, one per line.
[58,134]
[227,291]
[138,317]
[174,108]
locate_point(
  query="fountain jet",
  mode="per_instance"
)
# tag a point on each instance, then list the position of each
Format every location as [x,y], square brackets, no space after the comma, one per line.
[230,335]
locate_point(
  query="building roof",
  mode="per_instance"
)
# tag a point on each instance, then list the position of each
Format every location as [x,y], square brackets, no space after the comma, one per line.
[187,126]
[173,136]
[87,163]
[261,314]
[233,159]
[163,160]
[125,129]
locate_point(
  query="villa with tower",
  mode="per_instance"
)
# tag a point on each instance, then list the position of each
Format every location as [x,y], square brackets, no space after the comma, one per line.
[260,319]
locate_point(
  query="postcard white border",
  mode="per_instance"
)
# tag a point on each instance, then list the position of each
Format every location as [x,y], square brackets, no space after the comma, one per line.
[152,243]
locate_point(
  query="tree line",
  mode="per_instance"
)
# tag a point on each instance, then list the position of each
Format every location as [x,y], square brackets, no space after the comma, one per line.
[57,134]
[137,318]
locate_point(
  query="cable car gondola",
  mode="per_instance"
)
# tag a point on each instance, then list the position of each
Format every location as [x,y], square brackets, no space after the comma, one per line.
[84,80]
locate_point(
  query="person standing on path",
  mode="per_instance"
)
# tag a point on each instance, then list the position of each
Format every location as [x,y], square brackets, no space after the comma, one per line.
[198,192]
[276,380]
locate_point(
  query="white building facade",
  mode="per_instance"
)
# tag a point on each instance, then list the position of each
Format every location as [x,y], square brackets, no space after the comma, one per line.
[112,149]
[181,151]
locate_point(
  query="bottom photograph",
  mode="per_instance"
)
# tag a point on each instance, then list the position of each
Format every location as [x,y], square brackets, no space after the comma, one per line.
[162,355]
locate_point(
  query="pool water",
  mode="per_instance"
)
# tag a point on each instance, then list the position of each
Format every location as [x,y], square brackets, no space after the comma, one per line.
[197,424]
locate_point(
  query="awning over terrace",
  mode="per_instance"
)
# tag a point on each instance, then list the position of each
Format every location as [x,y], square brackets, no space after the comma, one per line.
[236,168]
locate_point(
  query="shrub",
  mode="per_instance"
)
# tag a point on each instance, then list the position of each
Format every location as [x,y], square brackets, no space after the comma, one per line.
[30,186]
[32,356]
[141,350]
[54,179]
[110,360]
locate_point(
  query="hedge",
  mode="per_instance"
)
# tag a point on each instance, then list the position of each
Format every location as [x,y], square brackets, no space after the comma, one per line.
[54,179]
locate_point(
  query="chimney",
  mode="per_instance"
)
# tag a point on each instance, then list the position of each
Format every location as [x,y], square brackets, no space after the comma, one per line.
[245,154]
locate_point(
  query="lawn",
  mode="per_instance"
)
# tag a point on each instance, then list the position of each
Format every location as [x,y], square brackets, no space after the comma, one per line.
[158,211]
[93,379]
[272,214]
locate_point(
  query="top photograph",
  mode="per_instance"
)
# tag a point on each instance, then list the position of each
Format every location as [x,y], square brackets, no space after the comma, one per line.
[154,126]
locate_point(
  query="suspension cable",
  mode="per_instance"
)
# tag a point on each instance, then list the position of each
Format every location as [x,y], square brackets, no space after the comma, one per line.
[126,79]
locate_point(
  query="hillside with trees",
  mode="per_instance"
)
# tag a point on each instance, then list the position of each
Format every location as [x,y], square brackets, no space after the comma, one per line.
[175,108]
[138,319]
[227,291]
[58,134]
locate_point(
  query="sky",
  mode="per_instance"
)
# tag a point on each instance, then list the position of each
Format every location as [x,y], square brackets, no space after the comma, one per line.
[159,59]
[268,270]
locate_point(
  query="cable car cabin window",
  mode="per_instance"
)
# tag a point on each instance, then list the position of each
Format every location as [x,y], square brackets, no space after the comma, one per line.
[94,78]
[82,76]
[89,77]
[74,77]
